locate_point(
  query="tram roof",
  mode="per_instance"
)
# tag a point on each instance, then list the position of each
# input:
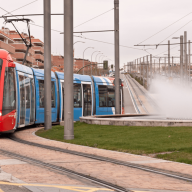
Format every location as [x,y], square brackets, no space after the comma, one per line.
[23,68]
[76,77]
[103,80]
[40,73]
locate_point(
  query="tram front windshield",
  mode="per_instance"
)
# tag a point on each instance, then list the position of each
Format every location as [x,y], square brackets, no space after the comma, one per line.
[9,92]
[1,65]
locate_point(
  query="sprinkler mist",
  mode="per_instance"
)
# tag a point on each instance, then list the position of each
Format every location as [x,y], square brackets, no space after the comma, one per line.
[173,97]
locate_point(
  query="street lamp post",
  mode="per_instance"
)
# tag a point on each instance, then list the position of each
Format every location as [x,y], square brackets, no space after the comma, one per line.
[96,61]
[74,49]
[91,59]
[100,58]
[83,56]
[78,42]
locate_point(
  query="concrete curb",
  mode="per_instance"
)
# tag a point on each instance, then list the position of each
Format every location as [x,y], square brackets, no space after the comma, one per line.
[137,122]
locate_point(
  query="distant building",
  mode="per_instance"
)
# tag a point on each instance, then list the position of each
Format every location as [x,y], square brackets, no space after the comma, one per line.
[6,42]
[13,43]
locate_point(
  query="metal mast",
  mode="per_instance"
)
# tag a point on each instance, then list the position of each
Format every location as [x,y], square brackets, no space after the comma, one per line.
[47,61]
[68,67]
[117,85]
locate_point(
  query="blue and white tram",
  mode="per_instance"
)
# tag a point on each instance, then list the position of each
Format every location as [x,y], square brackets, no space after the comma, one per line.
[22,96]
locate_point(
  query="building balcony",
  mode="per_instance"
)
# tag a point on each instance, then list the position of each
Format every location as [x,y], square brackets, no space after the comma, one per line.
[38,49]
[22,47]
[39,57]
[38,64]
[20,56]
[7,47]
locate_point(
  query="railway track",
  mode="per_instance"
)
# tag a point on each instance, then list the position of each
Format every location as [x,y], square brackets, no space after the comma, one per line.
[140,102]
[144,93]
[167,173]
[64,171]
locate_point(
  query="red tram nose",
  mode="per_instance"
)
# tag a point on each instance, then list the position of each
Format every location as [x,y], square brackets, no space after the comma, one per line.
[0,120]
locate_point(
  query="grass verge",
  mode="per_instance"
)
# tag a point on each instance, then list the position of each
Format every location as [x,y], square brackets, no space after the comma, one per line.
[137,140]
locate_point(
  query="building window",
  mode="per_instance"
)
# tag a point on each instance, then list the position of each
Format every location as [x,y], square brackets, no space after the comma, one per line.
[106,96]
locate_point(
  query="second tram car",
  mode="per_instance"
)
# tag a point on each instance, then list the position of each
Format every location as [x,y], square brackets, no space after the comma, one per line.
[22,95]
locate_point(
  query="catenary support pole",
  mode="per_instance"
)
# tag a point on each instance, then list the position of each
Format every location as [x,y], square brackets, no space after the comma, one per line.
[165,66]
[140,69]
[181,57]
[117,59]
[47,61]
[172,67]
[147,72]
[68,67]
[185,55]
[151,69]
[137,65]
[169,62]
[189,60]
[143,68]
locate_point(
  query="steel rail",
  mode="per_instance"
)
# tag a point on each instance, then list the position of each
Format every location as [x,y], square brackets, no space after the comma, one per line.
[150,99]
[131,95]
[141,103]
[167,173]
[63,170]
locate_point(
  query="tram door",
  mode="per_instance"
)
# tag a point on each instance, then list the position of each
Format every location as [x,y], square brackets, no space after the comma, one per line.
[22,99]
[62,85]
[32,114]
[27,101]
[87,100]
[26,115]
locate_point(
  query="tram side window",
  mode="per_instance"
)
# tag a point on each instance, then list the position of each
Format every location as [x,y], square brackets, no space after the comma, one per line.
[102,96]
[106,96]
[52,94]
[9,92]
[77,95]
[1,65]
[41,93]
[27,97]
[111,96]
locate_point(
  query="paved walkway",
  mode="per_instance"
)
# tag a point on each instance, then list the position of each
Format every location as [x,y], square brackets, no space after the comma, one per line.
[41,178]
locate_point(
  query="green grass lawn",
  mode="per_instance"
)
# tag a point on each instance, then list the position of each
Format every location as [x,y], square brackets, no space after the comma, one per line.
[137,140]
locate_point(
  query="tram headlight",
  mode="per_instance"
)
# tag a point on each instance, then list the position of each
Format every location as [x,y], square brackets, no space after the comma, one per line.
[0,114]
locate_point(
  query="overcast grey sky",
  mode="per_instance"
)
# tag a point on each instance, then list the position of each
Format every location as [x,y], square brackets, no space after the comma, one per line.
[139,19]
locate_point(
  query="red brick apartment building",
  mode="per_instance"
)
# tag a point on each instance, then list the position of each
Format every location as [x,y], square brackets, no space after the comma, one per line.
[13,43]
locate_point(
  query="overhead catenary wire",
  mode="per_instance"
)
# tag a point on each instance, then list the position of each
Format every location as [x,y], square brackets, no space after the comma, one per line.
[176,31]
[108,43]
[20,7]
[147,45]
[28,15]
[165,28]
[85,37]
[166,39]
[166,50]
[94,18]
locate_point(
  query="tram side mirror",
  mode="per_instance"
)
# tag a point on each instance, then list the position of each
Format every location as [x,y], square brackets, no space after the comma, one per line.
[11,65]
